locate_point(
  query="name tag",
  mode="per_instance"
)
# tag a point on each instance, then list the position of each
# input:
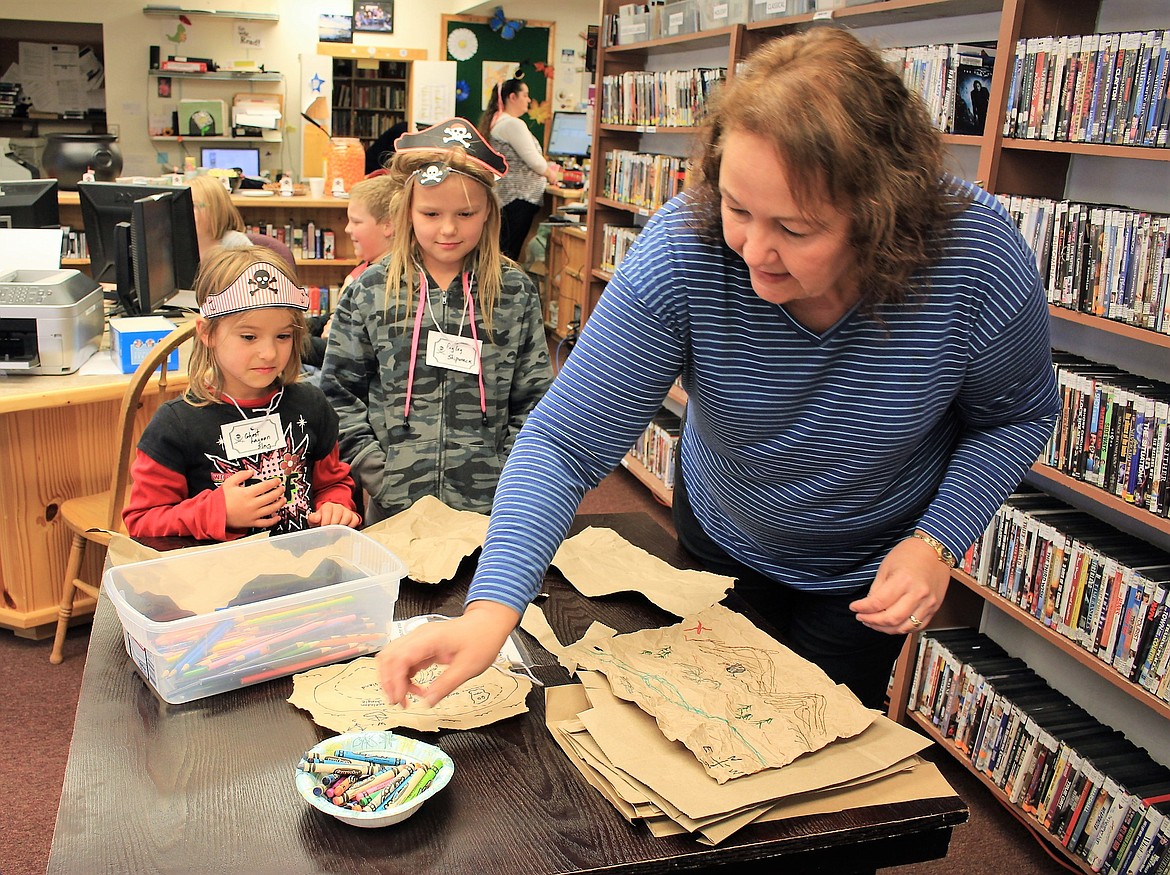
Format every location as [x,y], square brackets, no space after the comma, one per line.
[247,437]
[453,352]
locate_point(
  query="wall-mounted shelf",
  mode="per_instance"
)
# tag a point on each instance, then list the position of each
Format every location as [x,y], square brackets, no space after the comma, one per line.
[238,76]
[213,13]
[165,139]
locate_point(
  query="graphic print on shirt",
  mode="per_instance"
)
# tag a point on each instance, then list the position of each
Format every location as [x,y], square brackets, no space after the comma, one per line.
[288,463]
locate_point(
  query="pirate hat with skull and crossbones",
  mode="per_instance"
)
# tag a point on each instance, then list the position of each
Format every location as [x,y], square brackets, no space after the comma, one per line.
[260,284]
[446,136]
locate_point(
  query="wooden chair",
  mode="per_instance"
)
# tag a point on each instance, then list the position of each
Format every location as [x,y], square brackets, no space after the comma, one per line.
[92,518]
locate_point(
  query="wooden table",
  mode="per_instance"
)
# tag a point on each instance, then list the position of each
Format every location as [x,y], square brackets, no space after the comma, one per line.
[208,786]
[57,437]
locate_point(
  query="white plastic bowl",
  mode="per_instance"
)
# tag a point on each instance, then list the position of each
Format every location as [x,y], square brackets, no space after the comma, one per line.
[380,744]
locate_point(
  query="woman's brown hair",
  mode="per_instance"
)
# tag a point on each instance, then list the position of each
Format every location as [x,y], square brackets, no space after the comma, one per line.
[846,129]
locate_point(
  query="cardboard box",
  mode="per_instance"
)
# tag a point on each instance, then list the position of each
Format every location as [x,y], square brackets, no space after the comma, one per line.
[133,337]
[207,620]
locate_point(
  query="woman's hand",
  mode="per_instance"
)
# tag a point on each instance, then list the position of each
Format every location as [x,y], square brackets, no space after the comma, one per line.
[252,506]
[553,173]
[466,645]
[333,514]
[909,587]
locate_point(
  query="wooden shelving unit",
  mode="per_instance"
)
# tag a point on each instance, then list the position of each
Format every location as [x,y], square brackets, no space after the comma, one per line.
[1005,166]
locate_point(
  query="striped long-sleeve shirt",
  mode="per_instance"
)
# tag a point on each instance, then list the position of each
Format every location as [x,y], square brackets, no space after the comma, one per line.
[806,456]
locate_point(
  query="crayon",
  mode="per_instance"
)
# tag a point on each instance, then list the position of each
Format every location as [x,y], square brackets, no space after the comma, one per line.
[375,782]
[428,777]
[318,768]
[371,757]
[295,612]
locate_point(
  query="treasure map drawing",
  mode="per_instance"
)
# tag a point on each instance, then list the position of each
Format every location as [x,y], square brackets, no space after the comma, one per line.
[431,538]
[348,698]
[600,561]
[740,701]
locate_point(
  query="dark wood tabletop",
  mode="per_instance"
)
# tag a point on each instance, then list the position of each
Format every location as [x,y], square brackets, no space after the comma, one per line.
[208,786]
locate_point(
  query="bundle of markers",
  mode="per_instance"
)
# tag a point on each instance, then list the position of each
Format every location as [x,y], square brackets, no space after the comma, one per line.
[266,645]
[368,782]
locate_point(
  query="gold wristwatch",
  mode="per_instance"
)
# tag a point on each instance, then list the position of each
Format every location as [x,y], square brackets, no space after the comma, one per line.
[944,554]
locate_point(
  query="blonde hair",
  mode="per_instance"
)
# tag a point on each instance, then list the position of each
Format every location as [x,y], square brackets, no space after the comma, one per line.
[374,194]
[218,271]
[846,128]
[213,198]
[486,260]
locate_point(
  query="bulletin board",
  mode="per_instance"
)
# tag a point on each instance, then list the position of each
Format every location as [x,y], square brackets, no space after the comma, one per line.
[498,46]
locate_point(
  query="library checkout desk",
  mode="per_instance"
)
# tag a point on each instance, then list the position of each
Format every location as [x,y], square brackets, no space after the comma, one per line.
[208,786]
[57,437]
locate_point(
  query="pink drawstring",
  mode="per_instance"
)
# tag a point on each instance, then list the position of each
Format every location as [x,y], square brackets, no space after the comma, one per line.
[423,292]
[475,337]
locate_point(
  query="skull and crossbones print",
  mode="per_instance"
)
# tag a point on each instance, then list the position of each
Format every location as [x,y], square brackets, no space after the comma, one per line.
[457,134]
[261,281]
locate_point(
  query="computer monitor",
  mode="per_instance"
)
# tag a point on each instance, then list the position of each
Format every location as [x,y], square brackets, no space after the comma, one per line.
[570,136]
[152,252]
[105,204]
[29,204]
[247,160]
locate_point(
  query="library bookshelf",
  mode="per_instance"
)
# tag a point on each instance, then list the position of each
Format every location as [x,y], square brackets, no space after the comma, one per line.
[1006,165]
[298,211]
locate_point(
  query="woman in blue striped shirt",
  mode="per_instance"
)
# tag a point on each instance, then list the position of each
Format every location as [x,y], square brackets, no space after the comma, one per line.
[864,344]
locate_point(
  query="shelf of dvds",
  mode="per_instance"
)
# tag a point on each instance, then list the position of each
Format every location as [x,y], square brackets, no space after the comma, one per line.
[1061,167]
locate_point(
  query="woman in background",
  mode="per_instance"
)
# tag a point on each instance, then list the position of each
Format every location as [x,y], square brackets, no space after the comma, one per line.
[522,190]
[217,221]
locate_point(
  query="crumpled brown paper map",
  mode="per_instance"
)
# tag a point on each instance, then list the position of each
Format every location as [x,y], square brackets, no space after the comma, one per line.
[739,700]
[431,538]
[348,698]
[600,562]
[877,767]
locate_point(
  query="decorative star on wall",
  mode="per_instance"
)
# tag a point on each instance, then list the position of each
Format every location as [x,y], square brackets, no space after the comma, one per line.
[315,83]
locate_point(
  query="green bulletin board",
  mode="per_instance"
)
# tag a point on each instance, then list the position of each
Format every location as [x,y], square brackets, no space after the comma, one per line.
[528,49]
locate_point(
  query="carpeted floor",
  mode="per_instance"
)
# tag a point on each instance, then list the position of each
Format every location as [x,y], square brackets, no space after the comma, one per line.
[38,702]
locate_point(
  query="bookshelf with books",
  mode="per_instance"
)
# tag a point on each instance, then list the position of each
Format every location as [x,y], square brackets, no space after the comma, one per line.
[369,97]
[276,216]
[1125,329]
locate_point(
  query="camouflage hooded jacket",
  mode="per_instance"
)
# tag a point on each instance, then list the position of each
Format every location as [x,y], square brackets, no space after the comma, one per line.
[451,449]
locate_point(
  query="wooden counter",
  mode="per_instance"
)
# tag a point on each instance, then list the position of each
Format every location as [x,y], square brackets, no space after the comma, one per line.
[56,442]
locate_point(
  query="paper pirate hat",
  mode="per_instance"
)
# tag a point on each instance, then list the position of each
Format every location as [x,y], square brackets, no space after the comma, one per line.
[261,284]
[454,132]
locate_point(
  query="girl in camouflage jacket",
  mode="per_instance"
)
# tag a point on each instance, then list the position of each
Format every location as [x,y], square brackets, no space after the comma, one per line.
[437,354]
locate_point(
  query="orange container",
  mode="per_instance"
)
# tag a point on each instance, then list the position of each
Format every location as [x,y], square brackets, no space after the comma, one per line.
[345,160]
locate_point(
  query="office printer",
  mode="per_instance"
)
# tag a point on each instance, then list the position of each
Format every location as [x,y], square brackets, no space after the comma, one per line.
[51,321]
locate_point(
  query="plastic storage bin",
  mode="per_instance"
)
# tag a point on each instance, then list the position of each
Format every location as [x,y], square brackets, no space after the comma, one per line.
[766,10]
[637,27]
[204,622]
[677,19]
[714,14]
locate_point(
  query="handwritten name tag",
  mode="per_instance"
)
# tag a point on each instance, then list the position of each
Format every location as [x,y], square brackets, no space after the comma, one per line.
[453,352]
[247,437]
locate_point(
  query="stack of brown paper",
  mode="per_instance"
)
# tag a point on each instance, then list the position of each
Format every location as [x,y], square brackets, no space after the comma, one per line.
[709,725]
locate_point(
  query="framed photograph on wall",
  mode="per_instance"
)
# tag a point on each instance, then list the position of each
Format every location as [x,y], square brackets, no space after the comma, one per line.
[334,28]
[374,17]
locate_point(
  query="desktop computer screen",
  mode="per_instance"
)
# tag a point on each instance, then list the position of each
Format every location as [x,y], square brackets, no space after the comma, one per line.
[570,136]
[247,160]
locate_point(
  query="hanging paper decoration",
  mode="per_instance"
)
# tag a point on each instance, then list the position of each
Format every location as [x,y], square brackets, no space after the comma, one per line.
[462,44]
[542,67]
[506,28]
[180,34]
[462,90]
[539,111]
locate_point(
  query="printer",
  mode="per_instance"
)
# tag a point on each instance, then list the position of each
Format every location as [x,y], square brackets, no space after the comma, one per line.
[51,321]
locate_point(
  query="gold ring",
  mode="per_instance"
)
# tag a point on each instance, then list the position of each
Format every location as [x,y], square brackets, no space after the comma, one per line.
[915,622]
